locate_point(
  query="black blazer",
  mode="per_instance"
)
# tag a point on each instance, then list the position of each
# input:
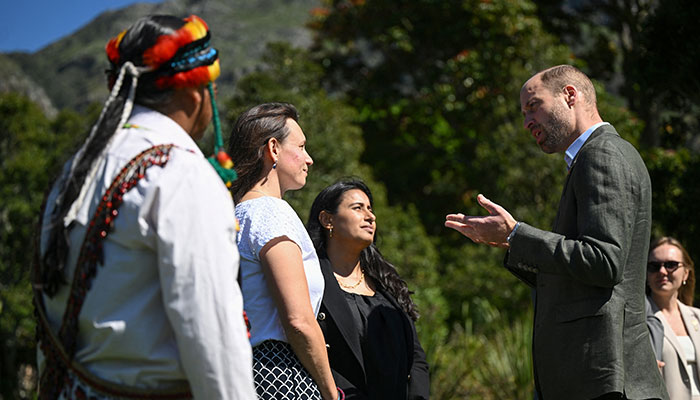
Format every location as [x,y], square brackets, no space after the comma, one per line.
[344,350]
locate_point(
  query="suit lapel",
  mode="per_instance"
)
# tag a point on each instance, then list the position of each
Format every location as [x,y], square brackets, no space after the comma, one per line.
[337,307]
[564,193]
[562,201]
[601,130]
[668,334]
[693,326]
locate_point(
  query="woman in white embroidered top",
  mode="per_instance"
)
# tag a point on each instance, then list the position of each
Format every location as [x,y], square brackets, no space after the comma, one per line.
[281,278]
[671,283]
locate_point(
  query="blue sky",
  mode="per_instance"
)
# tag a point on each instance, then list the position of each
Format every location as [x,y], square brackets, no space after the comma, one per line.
[29,25]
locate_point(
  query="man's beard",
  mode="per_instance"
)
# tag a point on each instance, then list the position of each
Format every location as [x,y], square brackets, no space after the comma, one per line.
[556,132]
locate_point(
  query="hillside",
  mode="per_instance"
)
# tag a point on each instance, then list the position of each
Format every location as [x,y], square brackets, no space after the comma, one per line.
[15,80]
[71,70]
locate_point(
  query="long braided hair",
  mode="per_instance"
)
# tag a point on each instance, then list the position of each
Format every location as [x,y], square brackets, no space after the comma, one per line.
[371,259]
[156,55]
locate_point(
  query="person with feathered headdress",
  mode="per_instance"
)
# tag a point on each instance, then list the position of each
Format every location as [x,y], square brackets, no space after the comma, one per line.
[135,280]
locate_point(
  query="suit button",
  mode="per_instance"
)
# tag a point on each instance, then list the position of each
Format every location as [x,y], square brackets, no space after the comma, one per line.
[321,316]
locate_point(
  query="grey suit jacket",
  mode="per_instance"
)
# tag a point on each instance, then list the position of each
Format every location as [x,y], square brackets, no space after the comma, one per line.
[656,330]
[676,371]
[590,335]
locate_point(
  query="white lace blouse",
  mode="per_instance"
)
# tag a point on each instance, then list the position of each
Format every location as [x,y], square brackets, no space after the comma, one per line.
[263,219]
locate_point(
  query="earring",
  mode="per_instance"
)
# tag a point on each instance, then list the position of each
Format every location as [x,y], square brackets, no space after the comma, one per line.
[274,165]
[684,282]
[330,232]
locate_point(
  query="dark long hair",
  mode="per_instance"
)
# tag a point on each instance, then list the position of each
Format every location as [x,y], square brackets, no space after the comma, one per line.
[371,260]
[141,36]
[251,132]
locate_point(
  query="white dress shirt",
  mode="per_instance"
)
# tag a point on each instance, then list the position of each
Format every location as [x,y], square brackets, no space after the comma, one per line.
[165,306]
[573,149]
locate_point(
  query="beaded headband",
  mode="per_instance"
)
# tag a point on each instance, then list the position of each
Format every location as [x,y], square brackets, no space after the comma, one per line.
[178,60]
[181,59]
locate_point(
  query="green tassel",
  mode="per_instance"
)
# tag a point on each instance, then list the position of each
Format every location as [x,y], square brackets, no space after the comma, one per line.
[228,175]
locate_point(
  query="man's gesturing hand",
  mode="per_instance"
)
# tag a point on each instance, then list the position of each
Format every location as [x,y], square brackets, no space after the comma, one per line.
[492,229]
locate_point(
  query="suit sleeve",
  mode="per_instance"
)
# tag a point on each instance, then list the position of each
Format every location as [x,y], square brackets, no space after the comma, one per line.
[419,383]
[528,277]
[606,193]
[656,330]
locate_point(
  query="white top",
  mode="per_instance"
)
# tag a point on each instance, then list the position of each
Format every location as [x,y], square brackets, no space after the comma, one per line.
[689,353]
[263,219]
[688,348]
[165,307]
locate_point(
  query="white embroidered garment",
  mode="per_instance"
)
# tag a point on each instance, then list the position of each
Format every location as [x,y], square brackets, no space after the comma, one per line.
[263,219]
[165,307]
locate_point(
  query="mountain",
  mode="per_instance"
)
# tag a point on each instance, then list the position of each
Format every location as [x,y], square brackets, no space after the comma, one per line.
[15,80]
[71,70]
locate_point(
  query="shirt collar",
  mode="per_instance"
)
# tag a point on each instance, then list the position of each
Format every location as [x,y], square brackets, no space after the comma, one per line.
[571,152]
[159,128]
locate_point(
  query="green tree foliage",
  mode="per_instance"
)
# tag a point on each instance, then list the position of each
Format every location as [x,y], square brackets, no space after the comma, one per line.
[437,85]
[645,51]
[668,66]
[420,99]
[674,176]
[32,149]
[492,363]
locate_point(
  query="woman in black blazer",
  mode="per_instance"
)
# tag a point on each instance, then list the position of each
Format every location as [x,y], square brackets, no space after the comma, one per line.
[367,315]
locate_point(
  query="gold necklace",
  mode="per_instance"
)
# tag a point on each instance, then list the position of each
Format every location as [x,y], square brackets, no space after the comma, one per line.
[353,286]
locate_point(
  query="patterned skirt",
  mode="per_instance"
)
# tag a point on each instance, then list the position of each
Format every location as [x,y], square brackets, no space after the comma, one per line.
[279,375]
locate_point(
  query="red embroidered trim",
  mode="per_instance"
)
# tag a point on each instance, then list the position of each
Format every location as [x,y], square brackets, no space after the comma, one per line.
[59,351]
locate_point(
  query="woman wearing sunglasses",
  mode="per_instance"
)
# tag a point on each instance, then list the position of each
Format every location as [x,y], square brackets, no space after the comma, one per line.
[671,285]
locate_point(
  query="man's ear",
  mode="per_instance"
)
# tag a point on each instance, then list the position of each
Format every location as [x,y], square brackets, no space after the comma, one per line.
[200,95]
[182,106]
[187,100]
[571,94]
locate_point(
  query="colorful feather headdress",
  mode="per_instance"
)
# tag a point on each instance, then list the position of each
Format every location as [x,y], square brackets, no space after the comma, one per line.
[183,59]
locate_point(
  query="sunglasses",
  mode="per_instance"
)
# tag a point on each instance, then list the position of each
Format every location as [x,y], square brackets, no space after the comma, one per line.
[655,266]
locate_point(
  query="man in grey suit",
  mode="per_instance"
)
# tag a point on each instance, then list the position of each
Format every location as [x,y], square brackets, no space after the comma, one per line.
[590,338]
